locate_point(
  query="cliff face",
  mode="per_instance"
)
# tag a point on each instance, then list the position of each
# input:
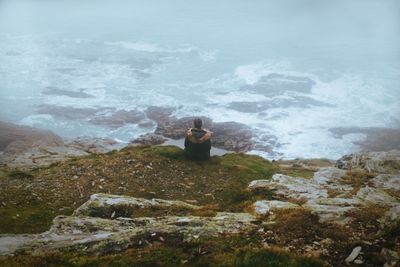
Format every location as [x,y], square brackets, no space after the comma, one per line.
[148,205]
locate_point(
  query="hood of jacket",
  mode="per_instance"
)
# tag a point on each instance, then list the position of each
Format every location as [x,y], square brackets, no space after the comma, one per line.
[198,136]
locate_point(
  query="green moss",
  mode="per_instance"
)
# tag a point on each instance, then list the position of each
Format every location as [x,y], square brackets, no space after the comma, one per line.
[298,172]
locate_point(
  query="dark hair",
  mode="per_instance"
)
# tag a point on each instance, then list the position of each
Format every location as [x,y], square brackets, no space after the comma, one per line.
[197,123]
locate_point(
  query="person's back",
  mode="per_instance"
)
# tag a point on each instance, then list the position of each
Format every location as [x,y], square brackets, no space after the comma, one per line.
[197,142]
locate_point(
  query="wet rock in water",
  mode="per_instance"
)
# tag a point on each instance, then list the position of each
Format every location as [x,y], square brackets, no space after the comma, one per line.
[69,113]
[232,136]
[276,84]
[376,162]
[160,115]
[262,207]
[149,139]
[118,119]
[104,205]
[95,145]
[99,235]
[284,102]
[73,94]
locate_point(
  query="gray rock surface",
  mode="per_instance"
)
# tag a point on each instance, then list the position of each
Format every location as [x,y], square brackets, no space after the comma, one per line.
[331,197]
[80,232]
[149,139]
[376,162]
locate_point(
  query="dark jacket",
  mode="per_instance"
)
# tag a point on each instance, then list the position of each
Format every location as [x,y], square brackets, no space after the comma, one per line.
[197,144]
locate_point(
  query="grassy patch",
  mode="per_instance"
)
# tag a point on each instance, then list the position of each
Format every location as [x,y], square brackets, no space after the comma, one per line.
[221,251]
[143,171]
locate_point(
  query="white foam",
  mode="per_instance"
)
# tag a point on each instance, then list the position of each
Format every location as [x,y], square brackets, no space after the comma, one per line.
[154,48]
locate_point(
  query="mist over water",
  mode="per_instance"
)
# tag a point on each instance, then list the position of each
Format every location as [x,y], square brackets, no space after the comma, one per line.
[288,69]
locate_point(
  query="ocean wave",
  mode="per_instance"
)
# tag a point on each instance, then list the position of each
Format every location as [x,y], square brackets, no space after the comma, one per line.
[155,48]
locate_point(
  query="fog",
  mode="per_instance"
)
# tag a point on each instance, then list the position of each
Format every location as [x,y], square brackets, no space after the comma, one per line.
[211,58]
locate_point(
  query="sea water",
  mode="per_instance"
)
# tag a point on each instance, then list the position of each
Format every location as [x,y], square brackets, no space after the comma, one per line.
[288,69]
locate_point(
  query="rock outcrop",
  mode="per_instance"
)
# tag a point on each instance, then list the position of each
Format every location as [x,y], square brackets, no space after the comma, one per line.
[96,227]
[27,147]
[376,162]
[332,194]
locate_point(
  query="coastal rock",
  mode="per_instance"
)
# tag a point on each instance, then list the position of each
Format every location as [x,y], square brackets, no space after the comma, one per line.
[327,196]
[105,205]
[328,175]
[387,181]
[275,84]
[160,115]
[376,162]
[94,145]
[28,147]
[149,139]
[118,119]
[15,139]
[80,232]
[371,195]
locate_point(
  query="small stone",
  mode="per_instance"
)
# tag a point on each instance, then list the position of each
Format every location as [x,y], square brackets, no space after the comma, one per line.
[358,261]
[75,177]
[353,255]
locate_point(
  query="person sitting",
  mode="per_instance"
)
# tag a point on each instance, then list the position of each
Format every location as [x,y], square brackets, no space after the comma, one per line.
[197,142]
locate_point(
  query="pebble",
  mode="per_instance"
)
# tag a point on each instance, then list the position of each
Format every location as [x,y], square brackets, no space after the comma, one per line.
[353,255]
[358,262]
